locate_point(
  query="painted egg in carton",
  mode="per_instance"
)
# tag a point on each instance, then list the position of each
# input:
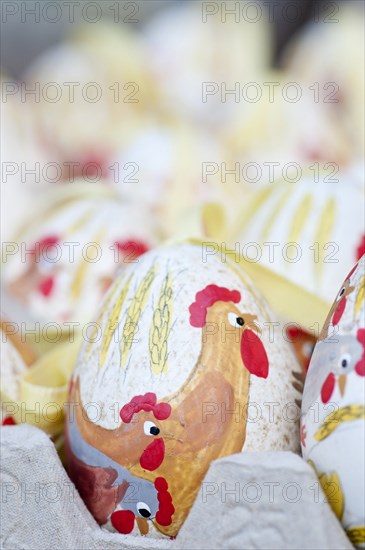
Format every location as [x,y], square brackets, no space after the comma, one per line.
[161,168]
[298,239]
[195,55]
[333,413]
[93,89]
[178,377]
[329,57]
[309,132]
[22,159]
[62,262]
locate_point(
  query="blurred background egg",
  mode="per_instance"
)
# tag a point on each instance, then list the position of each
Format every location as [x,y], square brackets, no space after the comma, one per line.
[333,413]
[305,232]
[65,258]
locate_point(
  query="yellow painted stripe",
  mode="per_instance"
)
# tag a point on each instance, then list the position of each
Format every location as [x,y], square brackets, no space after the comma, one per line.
[82,269]
[323,233]
[109,298]
[113,321]
[277,211]
[250,211]
[301,215]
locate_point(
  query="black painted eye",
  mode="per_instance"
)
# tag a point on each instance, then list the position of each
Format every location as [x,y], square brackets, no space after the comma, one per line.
[341,293]
[150,428]
[235,321]
[143,509]
[345,361]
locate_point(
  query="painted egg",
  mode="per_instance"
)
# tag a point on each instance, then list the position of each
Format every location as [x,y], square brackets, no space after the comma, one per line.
[333,413]
[298,258]
[62,263]
[189,50]
[20,153]
[161,167]
[82,117]
[309,133]
[180,370]
[330,60]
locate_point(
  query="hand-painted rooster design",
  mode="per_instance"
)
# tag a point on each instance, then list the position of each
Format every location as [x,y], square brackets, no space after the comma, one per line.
[349,356]
[338,307]
[105,484]
[203,420]
[40,273]
[333,362]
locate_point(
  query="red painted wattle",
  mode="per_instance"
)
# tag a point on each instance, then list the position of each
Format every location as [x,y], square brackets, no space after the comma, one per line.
[339,311]
[123,521]
[328,388]
[254,355]
[153,455]
[166,508]
[46,286]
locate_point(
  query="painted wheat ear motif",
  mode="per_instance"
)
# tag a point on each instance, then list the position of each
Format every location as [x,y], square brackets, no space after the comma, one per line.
[160,328]
[134,313]
[103,310]
[113,320]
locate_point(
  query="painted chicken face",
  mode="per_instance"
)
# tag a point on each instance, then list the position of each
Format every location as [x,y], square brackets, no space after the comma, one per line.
[215,311]
[338,308]
[138,439]
[154,452]
[342,358]
[40,274]
[106,484]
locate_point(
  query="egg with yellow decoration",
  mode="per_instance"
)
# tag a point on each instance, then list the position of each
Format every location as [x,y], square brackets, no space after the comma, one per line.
[81,118]
[333,412]
[64,259]
[181,370]
[298,236]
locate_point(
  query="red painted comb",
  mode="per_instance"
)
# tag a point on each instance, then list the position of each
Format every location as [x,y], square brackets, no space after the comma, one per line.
[206,298]
[148,403]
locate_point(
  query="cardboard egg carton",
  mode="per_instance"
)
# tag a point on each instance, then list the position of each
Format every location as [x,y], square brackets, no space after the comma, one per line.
[250,500]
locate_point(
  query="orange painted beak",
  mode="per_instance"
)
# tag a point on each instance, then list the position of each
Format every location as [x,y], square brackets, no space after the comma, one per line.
[342,379]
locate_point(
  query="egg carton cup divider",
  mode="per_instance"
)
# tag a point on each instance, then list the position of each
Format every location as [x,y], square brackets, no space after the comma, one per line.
[235,507]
